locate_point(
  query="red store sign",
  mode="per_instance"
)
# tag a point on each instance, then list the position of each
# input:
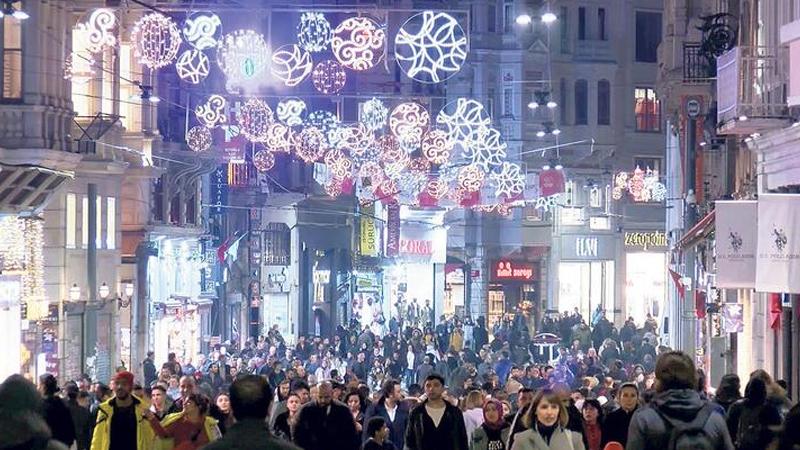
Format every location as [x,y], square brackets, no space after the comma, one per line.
[512,271]
[420,247]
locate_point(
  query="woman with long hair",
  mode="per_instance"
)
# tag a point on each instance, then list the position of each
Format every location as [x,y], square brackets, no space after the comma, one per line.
[592,421]
[493,432]
[473,411]
[223,412]
[546,421]
[190,429]
[354,402]
[284,422]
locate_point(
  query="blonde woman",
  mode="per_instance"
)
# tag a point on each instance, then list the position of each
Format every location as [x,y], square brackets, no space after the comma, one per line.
[546,421]
[473,411]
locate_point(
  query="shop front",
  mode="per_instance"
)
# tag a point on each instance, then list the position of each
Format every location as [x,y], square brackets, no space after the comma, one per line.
[513,290]
[645,275]
[454,290]
[586,273]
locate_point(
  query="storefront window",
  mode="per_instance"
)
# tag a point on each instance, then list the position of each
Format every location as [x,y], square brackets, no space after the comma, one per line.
[584,285]
[645,290]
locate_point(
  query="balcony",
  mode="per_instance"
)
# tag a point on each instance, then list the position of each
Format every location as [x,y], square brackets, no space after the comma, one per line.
[751,90]
[697,68]
[594,50]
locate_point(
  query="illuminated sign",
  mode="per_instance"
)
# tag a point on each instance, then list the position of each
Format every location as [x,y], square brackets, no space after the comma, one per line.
[512,271]
[421,247]
[645,239]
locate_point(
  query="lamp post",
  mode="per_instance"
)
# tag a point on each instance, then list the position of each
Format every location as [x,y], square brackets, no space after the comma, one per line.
[74,296]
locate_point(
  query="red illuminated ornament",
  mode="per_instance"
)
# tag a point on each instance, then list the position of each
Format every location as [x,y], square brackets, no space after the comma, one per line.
[358,43]
[437,146]
[328,77]
[334,188]
[263,160]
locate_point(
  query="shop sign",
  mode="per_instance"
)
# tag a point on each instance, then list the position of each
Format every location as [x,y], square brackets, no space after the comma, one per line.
[645,240]
[322,276]
[778,260]
[393,230]
[219,190]
[421,247]
[736,238]
[586,246]
[368,239]
[505,270]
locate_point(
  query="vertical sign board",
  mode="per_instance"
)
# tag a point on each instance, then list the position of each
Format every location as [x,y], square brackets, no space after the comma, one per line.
[393,230]
[368,242]
[736,230]
[778,257]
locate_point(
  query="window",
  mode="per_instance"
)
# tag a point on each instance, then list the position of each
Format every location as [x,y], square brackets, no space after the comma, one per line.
[508,17]
[581,23]
[608,199]
[647,110]
[492,18]
[581,102]
[508,102]
[72,217]
[12,58]
[491,94]
[562,101]
[595,197]
[85,222]
[563,24]
[601,24]
[648,36]
[111,223]
[569,193]
[277,244]
[603,102]
[645,163]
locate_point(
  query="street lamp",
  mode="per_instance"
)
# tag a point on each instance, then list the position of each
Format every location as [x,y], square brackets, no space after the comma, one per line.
[548,17]
[9,10]
[74,293]
[524,19]
[104,291]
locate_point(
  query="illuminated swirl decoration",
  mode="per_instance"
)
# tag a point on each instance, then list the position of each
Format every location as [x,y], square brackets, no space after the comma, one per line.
[333,188]
[371,170]
[509,181]
[198,138]
[242,55]
[374,114]
[202,30]
[410,186]
[431,47]
[98,31]
[310,144]
[437,188]
[327,123]
[329,77]
[279,138]
[254,119]
[387,186]
[156,39]
[314,32]
[358,43]
[192,66]
[470,178]
[291,64]
[389,148]
[420,165]
[338,163]
[212,112]
[263,160]
[487,150]
[291,111]
[408,122]
[356,139]
[437,146]
[464,119]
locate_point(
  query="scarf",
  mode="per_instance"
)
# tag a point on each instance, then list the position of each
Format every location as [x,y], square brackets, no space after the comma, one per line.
[501,423]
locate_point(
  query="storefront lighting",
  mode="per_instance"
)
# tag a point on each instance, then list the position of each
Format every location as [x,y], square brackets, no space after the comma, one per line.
[524,19]
[742,118]
[533,105]
[549,17]
[74,293]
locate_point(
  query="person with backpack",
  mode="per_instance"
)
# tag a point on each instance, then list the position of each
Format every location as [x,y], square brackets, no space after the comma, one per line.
[752,420]
[677,418]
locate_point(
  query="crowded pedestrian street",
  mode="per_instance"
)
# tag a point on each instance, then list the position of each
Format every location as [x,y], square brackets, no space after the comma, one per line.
[400,225]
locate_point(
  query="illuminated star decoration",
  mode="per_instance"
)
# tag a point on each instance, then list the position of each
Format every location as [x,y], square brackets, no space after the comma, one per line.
[254,119]
[156,40]
[408,122]
[374,114]
[242,55]
[357,43]
[291,111]
[464,119]
[279,138]
[487,150]
[546,204]
[212,112]
[202,30]
[431,47]
[263,160]
[192,66]
[98,31]
[509,180]
[329,77]
[437,146]
[309,144]
[198,138]
[291,64]
[314,32]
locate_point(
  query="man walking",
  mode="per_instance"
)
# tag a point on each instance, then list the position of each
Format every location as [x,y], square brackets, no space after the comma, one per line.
[149,369]
[390,409]
[187,387]
[120,420]
[55,411]
[325,424]
[435,423]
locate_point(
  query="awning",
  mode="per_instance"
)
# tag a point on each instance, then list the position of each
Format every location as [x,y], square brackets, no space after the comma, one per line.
[698,232]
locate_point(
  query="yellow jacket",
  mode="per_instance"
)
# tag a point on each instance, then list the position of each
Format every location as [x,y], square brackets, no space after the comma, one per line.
[210,425]
[101,438]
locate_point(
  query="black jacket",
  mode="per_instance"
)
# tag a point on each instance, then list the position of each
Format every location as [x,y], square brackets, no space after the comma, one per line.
[452,423]
[615,426]
[80,418]
[150,373]
[316,430]
[250,434]
[397,429]
[58,418]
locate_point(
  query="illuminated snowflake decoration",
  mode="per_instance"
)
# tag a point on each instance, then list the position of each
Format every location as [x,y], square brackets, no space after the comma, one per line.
[291,64]
[99,30]
[264,160]
[487,150]
[310,145]
[411,186]
[374,114]
[357,43]
[470,178]
[463,119]
[212,112]
[356,139]
[198,138]
[408,122]
[279,138]
[546,204]
[509,181]
[437,146]
[437,188]
[291,111]
[156,40]
[202,30]
[338,163]
[431,47]
[314,32]
[254,119]
[192,66]
[242,55]
[329,77]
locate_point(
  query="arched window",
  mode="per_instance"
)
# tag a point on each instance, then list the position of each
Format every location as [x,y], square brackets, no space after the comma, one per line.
[581,102]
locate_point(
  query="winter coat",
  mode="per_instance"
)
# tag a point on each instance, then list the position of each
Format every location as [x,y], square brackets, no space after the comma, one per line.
[473,419]
[452,418]
[21,424]
[397,429]
[316,430]
[615,426]
[250,434]
[746,420]
[80,418]
[168,443]
[648,431]
[480,441]
[101,438]
[562,439]
[58,418]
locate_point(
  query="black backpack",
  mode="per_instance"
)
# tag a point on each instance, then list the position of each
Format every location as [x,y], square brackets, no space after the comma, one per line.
[692,435]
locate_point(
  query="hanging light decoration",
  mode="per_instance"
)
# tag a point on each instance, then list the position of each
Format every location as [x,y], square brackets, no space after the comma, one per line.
[509,180]
[636,185]
[254,118]
[309,144]
[387,186]
[371,170]
[437,146]
[355,139]
[487,150]
[291,64]
[431,47]
[329,77]
[279,138]
[463,119]
[156,40]
[325,121]
[212,112]
[437,188]
[202,30]
[357,43]
[99,31]
[242,55]
[408,122]
[374,114]
[192,66]
[291,111]
[198,138]
[389,148]
[470,178]
[338,163]
[396,168]
[333,188]
[419,164]
[263,160]
[314,32]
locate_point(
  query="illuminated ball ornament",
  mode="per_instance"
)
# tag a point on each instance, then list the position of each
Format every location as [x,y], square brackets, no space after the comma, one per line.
[156,40]
[291,111]
[389,148]
[333,188]
[254,119]
[509,181]
[99,30]
[212,112]
[463,119]
[202,30]
[310,145]
[470,178]
[192,66]
[437,146]
[198,138]
[329,77]
[371,170]
[314,32]
[437,188]
[291,64]
[357,43]
[242,55]
[338,163]
[264,160]
[325,121]
[279,138]
[420,165]
[374,114]
[487,150]
[431,47]
[356,139]
[408,122]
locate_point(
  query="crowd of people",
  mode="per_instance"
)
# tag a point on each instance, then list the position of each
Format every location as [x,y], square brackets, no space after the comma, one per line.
[456,385]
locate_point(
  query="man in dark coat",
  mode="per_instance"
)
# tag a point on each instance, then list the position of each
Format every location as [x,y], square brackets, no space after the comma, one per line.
[149,369]
[615,426]
[55,411]
[394,414]
[435,424]
[80,417]
[325,424]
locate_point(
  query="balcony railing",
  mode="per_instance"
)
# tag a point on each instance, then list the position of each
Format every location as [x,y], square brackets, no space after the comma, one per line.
[697,68]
